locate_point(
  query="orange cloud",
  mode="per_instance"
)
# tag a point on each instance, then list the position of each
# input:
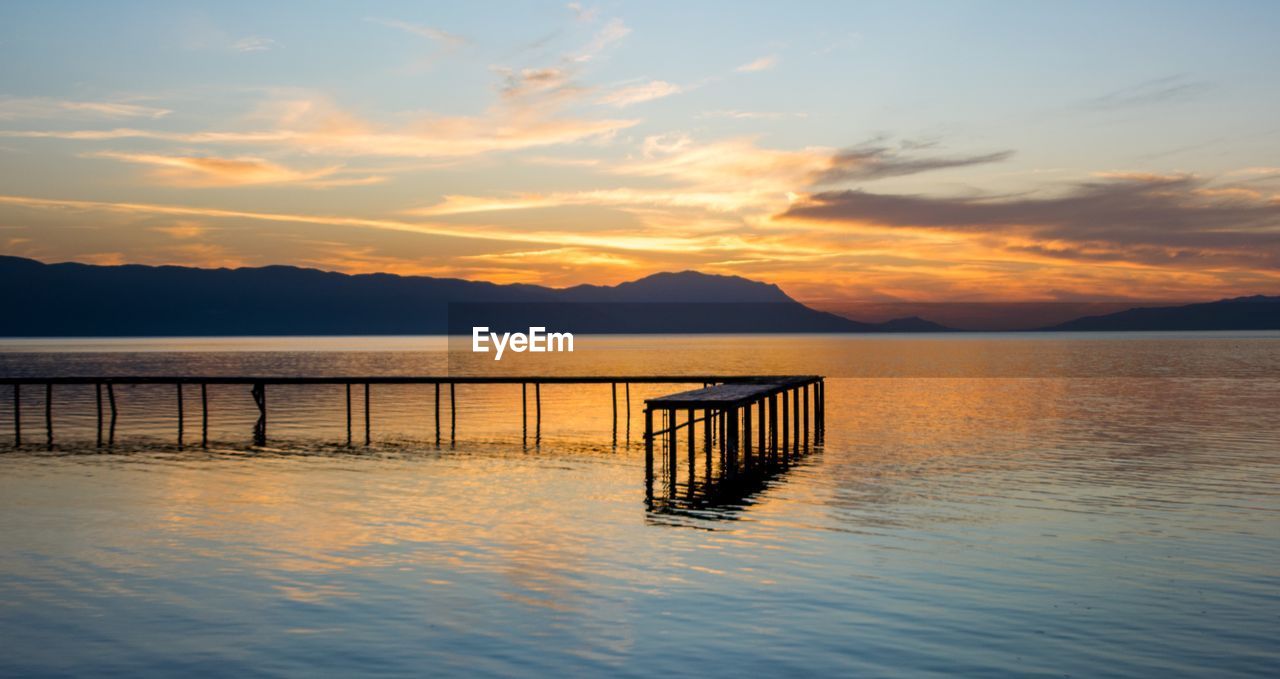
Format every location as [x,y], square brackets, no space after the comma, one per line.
[183,229]
[528,117]
[214,171]
[654,242]
[715,201]
[729,162]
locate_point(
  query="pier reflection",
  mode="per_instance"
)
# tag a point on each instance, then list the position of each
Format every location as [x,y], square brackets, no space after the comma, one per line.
[714,493]
[737,454]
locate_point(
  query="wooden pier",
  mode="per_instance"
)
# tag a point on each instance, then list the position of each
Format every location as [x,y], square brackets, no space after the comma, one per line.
[754,423]
[722,397]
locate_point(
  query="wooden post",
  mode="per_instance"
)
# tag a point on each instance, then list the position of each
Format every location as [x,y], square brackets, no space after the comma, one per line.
[728,449]
[760,416]
[368,434]
[111,399]
[773,426]
[822,408]
[806,417]
[181,415]
[614,391]
[786,419]
[628,388]
[259,392]
[348,413]
[453,415]
[720,437]
[795,419]
[537,412]
[437,413]
[720,424]
[97,398]
[817,411]
[731,442]
[648,456]
[204,415]
[746,435]
[673,450]
[706,431]
[524,411]
[17,414]
[693,414]
[706,445]
[648,440]
[48,414]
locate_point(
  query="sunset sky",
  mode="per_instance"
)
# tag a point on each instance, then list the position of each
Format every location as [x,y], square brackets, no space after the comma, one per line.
[848,152]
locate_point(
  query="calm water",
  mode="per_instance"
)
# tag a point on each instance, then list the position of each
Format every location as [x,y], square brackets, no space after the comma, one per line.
[984,505]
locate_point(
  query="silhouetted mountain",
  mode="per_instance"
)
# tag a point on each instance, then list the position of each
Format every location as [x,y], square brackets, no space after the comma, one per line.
[912,324]
[51,300]
[685,286]
[1258,312]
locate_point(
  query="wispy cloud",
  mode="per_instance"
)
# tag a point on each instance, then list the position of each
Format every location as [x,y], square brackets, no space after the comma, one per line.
[750,115]
[732,164]
[43,107]
[528,117]
[762,64]
[182,229]
[635,94]
[538,86]
[620,241]
[731,176]
[533,111]
[727,176]
[611,33]
[1157,91]
[559,257]
[878,162]
[443,43]
[254,43]
[135,133]
[581,13]
[443,38]
[562,162]
[715,201]
[215,171]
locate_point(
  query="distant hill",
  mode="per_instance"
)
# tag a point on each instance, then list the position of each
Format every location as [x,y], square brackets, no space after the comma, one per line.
[81,300]
[1258,312]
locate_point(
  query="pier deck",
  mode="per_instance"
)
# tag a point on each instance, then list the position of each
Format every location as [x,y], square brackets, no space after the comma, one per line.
[721,392]
[729,394]
[782,423]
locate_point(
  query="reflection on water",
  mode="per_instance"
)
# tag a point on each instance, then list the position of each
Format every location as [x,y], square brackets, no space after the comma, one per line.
[712,489]
[965,525]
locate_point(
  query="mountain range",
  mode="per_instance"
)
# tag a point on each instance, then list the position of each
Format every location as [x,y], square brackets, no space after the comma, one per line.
[83,300]
[1257,312]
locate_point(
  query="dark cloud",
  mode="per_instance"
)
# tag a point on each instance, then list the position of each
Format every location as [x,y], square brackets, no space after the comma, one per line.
[1155,219]
[877,162]
[1157,91]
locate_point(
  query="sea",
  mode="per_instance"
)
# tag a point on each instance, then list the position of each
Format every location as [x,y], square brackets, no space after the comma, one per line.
[978,504]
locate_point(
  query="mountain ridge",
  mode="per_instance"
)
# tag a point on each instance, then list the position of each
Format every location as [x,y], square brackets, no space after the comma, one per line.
[73,299]
[1252,312]
[76,299]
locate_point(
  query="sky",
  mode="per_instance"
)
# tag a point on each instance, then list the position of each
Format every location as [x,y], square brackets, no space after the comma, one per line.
[869,152]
